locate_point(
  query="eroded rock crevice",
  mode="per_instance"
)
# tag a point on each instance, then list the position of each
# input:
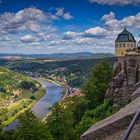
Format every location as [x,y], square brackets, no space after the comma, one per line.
[126,75]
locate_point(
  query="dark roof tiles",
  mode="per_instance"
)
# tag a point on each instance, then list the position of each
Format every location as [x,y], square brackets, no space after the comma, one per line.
[125,36]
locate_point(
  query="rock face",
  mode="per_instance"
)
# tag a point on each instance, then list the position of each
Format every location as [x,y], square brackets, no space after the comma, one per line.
[126,75]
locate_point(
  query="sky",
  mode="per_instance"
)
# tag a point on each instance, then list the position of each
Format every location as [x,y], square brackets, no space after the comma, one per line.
[65,26]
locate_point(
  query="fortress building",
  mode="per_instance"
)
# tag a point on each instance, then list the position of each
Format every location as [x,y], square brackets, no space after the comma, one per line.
[125,42]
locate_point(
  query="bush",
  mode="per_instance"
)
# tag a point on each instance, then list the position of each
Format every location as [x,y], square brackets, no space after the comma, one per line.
[32,97]
[102,110]
[27,85]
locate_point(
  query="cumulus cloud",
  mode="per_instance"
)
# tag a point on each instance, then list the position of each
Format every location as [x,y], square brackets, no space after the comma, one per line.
[116,2]
[29,38]
[116,25]
[96,32]
[108,17]
[29,19]
[60,12]
[70,35]
[67,16]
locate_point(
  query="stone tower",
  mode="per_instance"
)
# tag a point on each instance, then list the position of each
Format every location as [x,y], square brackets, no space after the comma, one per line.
[124,42]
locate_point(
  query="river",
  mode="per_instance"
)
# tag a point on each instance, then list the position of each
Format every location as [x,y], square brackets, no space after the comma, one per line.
[41,107]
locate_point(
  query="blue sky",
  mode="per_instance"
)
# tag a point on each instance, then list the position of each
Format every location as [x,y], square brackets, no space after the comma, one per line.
[54,26]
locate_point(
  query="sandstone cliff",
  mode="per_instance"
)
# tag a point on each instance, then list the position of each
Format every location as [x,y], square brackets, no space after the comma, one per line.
[126,76]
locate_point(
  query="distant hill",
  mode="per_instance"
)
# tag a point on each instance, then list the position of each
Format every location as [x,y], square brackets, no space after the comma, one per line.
[58,55]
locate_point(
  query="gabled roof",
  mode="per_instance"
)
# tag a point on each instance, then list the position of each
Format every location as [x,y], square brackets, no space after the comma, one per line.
[125,36]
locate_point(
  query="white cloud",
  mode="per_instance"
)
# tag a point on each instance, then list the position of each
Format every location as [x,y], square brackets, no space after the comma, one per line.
[67,16]
[29,38]
[29,19]
[60,12]
[117,25]
[108,17]
[116,2]
[96,32]
[70,35]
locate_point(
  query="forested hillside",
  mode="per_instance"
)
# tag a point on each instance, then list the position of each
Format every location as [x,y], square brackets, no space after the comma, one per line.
[74,71]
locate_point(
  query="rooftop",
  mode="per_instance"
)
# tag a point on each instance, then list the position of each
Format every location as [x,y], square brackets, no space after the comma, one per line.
[125,36]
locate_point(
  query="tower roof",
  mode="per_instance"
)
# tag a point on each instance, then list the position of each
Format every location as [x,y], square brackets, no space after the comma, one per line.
[125,36]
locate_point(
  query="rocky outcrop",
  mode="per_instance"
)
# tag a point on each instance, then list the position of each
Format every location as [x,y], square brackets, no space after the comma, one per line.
[124,87]
[126,74]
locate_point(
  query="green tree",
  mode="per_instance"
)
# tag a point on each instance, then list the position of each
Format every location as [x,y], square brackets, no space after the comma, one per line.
[85,123]
[95,88]
[30,128]
[60,122]
[78,106]
[6,135]
[92,116]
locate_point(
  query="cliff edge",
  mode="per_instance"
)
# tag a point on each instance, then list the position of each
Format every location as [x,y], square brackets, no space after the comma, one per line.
[123,88]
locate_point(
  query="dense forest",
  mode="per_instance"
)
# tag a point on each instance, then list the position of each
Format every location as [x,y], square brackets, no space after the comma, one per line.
[68,119]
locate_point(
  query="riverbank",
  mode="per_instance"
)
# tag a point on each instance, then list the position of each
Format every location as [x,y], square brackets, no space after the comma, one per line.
[52,81]
[41,107]
[13,117]
[19,107]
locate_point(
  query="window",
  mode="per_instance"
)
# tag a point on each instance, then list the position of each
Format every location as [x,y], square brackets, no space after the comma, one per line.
[120,45]
[116,45]
[124,45]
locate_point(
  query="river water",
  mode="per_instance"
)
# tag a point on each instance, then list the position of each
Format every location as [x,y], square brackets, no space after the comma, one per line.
[41,107]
